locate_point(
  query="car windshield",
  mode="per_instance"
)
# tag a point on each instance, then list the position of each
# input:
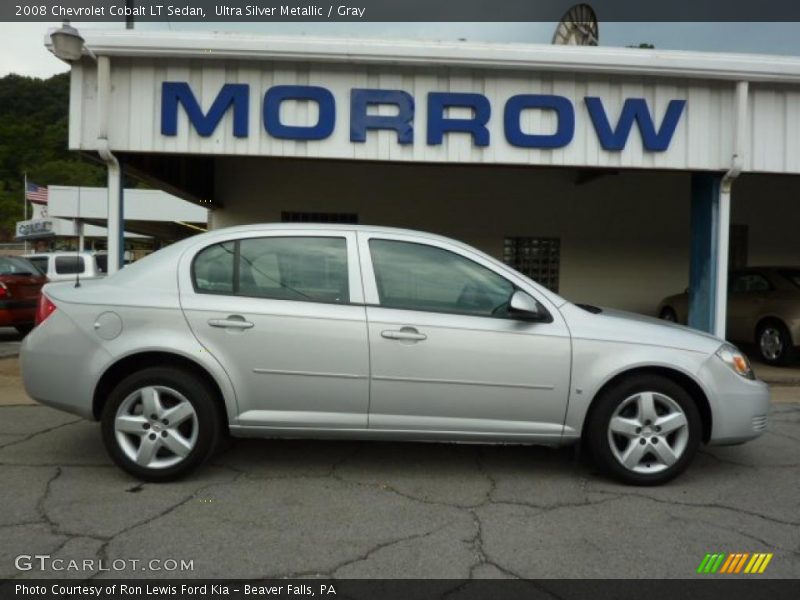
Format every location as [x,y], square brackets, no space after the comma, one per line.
[792,275]
[13,265]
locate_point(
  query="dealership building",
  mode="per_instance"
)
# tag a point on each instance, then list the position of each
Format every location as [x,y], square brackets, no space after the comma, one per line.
[614,176]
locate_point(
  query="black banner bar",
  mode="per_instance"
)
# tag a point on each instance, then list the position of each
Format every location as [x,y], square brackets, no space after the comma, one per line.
[395,10]
[708,588]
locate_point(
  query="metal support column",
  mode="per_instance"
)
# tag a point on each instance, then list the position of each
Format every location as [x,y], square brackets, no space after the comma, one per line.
[706,223]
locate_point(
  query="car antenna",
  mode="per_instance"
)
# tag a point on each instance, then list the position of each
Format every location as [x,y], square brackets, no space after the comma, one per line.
[78,230]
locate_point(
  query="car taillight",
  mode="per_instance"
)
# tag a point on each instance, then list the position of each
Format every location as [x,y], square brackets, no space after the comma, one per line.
[44,310]
[4,293]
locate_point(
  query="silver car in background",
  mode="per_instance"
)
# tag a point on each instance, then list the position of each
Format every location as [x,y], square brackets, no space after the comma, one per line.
[374,333]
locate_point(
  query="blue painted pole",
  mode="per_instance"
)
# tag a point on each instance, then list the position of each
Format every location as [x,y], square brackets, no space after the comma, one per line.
[704,234]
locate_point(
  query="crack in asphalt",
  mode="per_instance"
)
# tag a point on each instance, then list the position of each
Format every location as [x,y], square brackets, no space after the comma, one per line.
[333,472]
[30,436]
[732,530]
[710,505]
[102,552]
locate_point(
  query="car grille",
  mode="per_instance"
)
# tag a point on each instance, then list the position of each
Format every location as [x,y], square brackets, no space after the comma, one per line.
[760,423]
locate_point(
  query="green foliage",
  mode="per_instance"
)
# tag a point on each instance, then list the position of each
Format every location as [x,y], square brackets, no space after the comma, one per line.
[34,117]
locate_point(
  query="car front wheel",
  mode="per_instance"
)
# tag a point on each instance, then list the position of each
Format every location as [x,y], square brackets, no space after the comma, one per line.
[644,430]
[160,423]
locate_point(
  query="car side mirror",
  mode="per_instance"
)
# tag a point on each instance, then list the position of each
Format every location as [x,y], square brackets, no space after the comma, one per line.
[523,306]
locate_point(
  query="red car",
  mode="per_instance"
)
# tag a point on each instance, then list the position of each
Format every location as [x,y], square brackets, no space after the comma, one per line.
[20,287]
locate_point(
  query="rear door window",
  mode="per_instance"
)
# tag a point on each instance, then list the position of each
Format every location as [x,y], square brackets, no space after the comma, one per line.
[281,268]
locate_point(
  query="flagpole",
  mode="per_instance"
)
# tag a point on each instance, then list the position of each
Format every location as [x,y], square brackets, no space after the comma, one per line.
[25,208]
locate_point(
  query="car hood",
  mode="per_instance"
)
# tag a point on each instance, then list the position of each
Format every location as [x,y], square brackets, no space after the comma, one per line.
[632,328]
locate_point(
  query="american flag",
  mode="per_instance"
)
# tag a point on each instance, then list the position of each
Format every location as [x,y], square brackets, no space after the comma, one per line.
[36,193]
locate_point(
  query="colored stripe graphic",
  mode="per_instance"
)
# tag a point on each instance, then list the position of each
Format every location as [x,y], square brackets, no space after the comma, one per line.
[718,562]
[701,568]
[734,563]
[727,565]
[765,563]
[741,562]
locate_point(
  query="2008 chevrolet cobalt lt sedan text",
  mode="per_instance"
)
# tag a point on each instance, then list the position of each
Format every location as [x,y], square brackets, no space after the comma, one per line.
[366,332]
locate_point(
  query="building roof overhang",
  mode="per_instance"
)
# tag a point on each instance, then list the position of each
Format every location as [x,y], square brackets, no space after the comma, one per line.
[500,56]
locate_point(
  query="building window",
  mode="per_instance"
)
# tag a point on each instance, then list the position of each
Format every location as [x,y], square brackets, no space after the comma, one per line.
[319,217]
[538,258]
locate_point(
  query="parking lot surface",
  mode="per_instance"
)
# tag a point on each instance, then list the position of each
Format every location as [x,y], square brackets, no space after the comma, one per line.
[273,508]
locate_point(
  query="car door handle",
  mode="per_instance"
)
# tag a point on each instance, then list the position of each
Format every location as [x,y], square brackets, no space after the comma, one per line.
[232,322]
[406,333]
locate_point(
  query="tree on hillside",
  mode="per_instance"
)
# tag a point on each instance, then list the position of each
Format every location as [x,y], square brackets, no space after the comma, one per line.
[33,138]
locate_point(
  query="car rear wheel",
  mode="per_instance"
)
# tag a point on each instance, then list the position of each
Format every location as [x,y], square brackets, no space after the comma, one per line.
[775,343]
[160,423]
[644,430]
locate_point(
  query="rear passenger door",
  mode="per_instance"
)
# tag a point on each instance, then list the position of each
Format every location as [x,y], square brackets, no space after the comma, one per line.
[284,315]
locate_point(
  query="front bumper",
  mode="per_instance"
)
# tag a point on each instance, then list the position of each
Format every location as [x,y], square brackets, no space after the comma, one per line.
[739,406]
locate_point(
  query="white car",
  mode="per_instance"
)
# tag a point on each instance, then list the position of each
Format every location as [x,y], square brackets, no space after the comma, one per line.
[364,332]
[63,266]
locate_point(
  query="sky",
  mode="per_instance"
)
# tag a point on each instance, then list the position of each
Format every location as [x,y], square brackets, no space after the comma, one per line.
[22,48]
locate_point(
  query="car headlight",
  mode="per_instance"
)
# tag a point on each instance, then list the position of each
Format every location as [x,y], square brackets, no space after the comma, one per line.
[737,361]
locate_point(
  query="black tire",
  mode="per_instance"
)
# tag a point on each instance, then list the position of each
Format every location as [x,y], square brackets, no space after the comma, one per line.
[668,314]
[607,403]
[24,330]
[786,352]
[208,422]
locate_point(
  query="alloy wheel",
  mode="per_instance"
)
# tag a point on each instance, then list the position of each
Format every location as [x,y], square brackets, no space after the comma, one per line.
[771,343]
[648,432]
[156,427]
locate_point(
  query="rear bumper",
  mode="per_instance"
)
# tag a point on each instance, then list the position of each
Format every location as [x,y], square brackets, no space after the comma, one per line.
[739,406]
[60,365]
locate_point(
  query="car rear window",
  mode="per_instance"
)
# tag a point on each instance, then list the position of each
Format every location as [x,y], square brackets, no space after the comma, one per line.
[14,265]
[40,262]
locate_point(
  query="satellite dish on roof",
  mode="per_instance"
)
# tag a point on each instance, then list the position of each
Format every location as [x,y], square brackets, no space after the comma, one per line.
[578,27]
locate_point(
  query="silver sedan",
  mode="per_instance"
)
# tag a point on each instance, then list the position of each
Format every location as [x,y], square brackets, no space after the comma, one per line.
[366,332]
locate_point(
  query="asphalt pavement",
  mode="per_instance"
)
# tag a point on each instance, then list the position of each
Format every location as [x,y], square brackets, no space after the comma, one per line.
[271,508]
[10,341]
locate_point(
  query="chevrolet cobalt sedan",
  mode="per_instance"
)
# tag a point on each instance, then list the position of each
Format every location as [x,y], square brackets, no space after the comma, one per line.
[332,331]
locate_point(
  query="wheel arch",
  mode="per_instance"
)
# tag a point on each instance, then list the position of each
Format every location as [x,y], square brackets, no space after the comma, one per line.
[142,360]
[692,387]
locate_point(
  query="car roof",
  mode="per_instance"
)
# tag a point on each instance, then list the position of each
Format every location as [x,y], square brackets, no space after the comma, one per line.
[343,227]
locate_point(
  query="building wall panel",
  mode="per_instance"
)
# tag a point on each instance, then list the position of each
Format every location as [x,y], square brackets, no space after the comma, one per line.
[702,141]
